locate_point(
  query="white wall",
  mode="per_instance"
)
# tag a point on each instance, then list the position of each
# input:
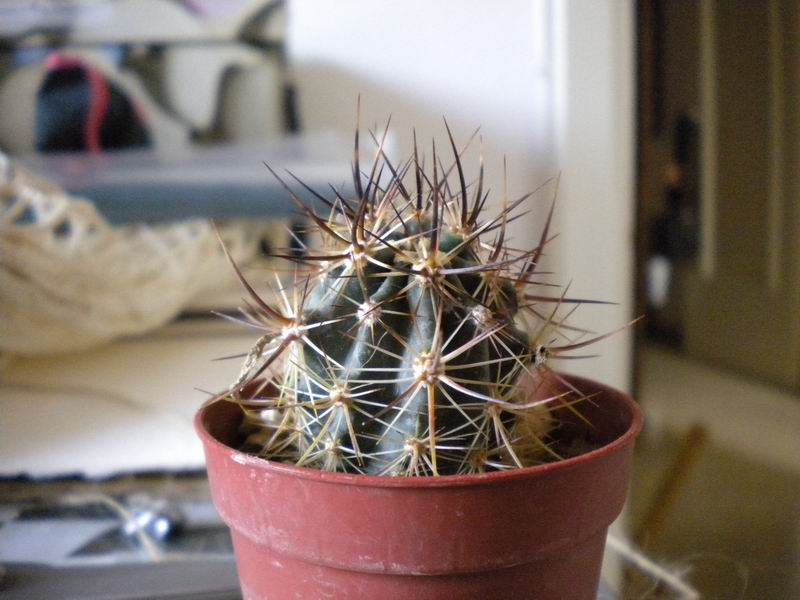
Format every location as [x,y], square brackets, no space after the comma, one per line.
[477,63]
[549,82]
[595,91]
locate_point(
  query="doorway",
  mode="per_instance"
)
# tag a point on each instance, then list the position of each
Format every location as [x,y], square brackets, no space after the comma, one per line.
[717,484]
[718,263]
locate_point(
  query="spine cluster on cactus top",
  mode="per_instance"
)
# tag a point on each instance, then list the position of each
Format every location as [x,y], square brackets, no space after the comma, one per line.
[403,342]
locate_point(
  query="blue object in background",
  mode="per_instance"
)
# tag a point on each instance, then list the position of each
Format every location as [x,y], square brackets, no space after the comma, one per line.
[221,182]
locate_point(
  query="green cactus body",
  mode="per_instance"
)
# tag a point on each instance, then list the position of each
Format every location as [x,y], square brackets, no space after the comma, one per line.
[399,347]
[365,398]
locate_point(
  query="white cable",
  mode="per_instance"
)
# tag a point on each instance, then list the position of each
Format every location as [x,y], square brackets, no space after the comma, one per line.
[626,550]
[152,551]
[149,546]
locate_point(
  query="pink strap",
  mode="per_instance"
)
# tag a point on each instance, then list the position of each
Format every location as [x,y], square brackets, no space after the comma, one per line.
[98,95]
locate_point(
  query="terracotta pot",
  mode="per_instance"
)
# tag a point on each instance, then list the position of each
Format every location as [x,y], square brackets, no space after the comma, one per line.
[535,533]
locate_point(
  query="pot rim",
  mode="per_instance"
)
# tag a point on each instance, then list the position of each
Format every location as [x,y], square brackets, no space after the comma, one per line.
[383,481]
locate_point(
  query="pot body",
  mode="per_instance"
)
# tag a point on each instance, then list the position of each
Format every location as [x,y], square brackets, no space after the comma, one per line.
[533,533]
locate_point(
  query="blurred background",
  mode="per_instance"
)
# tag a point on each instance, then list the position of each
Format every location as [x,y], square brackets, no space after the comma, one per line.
[126,125]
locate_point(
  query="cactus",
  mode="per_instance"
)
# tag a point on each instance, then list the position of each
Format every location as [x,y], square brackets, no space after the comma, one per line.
[401,346]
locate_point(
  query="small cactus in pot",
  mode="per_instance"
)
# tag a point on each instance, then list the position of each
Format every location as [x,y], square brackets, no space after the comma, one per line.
[413,339]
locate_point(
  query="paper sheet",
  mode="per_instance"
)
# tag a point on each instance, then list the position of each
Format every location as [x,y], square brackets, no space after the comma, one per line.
[122,408]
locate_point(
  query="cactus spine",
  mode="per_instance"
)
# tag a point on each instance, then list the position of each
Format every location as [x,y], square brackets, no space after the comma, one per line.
[400,345]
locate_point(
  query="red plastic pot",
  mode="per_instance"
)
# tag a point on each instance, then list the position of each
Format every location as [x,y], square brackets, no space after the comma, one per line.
[535,533]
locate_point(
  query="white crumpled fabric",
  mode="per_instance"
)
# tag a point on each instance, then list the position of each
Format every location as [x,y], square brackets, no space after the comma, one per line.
[69,280]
